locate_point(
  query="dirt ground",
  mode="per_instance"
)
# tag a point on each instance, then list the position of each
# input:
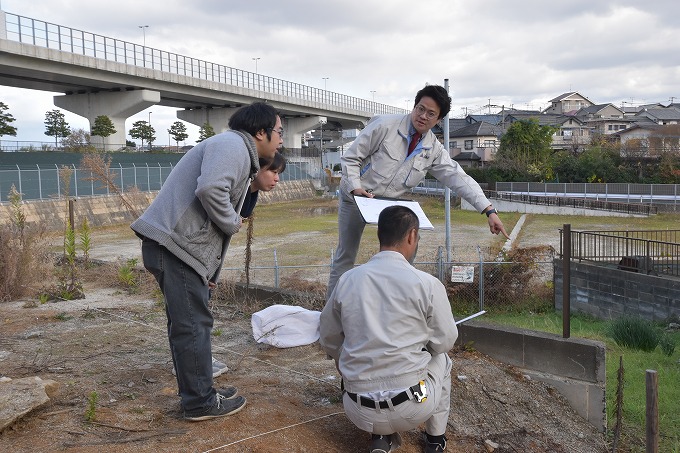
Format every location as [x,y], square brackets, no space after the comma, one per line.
[114,343]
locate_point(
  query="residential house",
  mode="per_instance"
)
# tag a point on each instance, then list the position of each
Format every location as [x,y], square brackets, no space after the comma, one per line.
[572,133]
[567,103]
[659,115]
[475,144]
[604,119]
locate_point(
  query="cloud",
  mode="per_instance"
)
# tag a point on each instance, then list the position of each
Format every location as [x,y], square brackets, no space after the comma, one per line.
[493,51]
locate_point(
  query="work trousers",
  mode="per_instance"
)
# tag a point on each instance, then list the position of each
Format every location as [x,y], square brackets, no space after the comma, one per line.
[409,414]
[189,324]
[350,228]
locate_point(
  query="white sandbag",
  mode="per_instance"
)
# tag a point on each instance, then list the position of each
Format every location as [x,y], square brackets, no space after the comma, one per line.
[285,326]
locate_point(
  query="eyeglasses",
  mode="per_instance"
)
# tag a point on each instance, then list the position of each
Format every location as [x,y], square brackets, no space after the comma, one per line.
[278,131]
[429,114]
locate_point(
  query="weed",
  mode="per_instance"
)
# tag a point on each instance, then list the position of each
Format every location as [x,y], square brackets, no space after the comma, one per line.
[62,316]
[216,332]
[127,276]
[91,411]
[22,255]
[667,344]
[43,298]
[635,333]
[85,241]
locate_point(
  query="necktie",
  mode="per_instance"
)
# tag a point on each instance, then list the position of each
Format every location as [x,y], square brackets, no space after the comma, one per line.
[414,141]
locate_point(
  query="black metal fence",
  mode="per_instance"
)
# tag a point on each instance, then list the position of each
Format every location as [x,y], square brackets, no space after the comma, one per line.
[651,252]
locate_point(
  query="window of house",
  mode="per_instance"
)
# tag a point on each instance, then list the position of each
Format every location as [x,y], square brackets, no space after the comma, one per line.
[468,144]
[454,144]
[489,143]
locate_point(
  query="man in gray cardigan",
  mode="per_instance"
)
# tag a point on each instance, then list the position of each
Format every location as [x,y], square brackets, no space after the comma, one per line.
[389,326]
[185,234]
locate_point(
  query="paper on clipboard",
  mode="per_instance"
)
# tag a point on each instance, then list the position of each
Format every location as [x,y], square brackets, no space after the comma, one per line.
[371,208]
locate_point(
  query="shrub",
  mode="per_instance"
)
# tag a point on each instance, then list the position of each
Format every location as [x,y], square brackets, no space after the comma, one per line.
[635,333]
[22,252]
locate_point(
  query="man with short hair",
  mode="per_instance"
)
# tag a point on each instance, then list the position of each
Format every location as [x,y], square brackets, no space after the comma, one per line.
[390,157]
[185,234]
[389,326]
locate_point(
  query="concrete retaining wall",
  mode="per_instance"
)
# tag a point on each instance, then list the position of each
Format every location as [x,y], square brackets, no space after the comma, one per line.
[575,367]
[108,210]
[609,293]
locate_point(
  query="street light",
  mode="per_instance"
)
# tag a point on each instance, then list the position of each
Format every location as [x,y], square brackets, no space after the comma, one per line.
[324,82]
[144,27]
[255,59]
[150,118]
[373,93]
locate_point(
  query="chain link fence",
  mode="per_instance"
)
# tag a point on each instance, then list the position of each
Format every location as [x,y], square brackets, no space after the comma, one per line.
[523,276]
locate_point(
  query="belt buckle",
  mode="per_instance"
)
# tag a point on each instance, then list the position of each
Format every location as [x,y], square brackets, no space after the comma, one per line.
[420,392]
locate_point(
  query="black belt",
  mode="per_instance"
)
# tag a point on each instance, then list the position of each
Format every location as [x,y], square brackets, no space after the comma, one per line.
[367,402]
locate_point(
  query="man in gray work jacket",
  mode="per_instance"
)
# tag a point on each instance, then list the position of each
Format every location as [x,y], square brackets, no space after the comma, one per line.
[389,326]
[185,234]
[390,157]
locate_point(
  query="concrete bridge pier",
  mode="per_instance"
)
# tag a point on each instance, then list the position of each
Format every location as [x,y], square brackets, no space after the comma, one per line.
[296,126]
[218,118]
[117,105]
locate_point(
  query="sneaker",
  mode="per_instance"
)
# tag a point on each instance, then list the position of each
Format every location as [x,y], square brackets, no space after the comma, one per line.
[228,392]
[435,444]
[380,444]
[218,368]
[221,408]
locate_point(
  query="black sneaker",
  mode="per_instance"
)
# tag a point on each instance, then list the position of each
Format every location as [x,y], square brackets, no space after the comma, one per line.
[380,444]
[228,392]
[435,444]
[223,406]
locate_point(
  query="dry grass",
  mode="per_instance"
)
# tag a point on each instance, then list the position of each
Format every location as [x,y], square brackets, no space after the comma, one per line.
[23,259]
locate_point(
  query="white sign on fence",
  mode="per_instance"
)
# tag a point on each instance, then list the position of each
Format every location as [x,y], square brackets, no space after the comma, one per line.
[462,274]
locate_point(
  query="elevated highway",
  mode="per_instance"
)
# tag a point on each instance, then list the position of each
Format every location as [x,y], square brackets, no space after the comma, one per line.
[106,76]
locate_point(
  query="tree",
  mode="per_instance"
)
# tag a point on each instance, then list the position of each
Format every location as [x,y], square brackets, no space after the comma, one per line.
[56,125]
[103,126]
[178,131]
[78,140]
[143,131]
[5,119]
[206,131]
[527,142]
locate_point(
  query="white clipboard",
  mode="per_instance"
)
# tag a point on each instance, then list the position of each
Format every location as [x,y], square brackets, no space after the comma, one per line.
[371,208]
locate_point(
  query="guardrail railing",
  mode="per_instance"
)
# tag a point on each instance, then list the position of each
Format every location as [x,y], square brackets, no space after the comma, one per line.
[66,39]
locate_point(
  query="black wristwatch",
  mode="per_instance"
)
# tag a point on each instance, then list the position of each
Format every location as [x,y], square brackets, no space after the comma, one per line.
[491,211]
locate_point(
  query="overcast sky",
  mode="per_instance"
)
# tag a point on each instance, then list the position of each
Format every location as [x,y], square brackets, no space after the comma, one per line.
[518,53]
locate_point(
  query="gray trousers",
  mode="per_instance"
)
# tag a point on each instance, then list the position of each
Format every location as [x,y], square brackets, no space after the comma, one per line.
[409,414]
[350,228]
[189,324]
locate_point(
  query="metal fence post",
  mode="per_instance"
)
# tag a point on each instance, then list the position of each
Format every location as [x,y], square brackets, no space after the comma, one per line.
[481,278]
[75,179]
[122,183]
[148,178]
[39,182]
[56,168]
[19,171]
[276,270]
[566,280]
